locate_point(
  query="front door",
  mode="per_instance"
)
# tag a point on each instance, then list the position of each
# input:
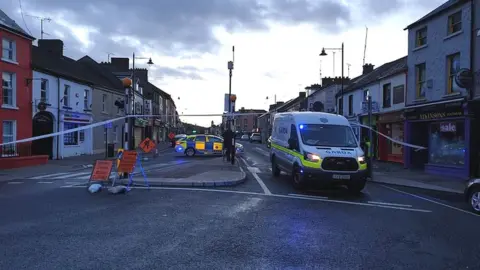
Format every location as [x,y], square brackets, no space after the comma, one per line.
[42,124]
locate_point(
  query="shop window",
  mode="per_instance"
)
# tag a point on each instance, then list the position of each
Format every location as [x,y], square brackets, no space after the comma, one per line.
[395,130]
[70,138]
[447,144]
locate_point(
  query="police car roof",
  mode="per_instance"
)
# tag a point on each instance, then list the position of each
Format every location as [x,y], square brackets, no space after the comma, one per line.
[316,118]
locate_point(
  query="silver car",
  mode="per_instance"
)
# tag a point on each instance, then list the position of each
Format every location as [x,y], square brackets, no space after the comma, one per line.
[256,137]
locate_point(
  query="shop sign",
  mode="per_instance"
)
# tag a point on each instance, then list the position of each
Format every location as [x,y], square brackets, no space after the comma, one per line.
[448,127]
[433,112]
[140,122]
[76,117]
[390,117]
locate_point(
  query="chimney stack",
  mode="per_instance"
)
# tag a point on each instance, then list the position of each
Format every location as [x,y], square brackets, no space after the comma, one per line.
[367,68]
[52,46]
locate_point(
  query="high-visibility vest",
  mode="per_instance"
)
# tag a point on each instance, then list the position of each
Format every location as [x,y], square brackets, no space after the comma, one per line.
[368,148]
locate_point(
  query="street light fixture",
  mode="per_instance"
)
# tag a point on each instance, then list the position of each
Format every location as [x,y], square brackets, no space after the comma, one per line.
[324,53]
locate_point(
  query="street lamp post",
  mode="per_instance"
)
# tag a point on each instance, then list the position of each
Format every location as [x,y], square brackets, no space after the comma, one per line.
[132,109]
[342,49]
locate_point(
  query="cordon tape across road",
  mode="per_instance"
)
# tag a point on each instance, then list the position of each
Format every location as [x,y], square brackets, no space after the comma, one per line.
[98,124]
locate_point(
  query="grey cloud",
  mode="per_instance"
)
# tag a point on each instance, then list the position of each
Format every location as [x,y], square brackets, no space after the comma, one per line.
[177,73]
[186,25]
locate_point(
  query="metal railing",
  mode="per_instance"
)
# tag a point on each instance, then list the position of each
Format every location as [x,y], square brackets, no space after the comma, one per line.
[16,150]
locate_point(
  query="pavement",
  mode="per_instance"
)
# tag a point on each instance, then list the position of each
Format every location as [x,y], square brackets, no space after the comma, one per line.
[262,223]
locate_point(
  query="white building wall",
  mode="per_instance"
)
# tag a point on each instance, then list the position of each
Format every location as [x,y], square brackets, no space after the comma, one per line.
[66,115]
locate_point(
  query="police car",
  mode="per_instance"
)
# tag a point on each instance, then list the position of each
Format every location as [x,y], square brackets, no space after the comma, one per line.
[202,144]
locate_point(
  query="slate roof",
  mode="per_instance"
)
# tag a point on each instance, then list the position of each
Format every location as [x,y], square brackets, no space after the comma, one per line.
[9,24]
[438,11]
[62,66]
[383,71]
[99,75]
[160,91]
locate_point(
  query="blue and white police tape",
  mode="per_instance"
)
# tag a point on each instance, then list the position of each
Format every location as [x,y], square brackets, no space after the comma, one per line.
[417,147]
[98,124]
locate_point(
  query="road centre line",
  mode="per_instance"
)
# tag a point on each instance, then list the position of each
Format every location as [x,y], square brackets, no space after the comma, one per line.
[42,182]
[15,183]
[275,195]
[48,175]
[307,196]
[392,204]
[429,200]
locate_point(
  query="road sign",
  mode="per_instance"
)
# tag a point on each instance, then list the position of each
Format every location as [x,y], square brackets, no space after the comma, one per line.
[147,145]
[127,162]
[171,135]
[101,171]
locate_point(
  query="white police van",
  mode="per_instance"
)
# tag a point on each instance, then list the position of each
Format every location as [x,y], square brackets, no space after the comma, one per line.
[316,146]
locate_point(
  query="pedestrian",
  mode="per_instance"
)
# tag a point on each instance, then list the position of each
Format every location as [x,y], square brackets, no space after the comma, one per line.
[366,145]
[227,142]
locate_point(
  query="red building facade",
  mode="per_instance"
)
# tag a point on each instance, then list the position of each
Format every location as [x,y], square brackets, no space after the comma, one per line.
[16,95]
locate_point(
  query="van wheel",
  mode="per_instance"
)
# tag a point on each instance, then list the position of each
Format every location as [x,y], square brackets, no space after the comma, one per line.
[474,200]
[190,152]
[275,169]
[297,179]
[356,187]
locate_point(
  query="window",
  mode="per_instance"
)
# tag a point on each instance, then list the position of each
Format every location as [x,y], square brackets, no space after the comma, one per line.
[421,37]
[340,106]
[453,66]
[420,74]
[365,94]
[350,105]
[9,91]
[398,94]
[44,90]
[8,50]
[200,138]
[115,130]
[328,135]
[387,95]
[245,123]
[104,103]
[214,139]
[73,138]
[447,143]
[455,23]
[86,99]
[66,95]
[9,131]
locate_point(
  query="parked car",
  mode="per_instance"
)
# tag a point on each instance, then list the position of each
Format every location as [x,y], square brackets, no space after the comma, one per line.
[269,142]
[256,138]
[472,194]
[244,137]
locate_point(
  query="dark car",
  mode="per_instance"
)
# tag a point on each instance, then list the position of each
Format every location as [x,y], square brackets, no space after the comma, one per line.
[256,137]
[472,194]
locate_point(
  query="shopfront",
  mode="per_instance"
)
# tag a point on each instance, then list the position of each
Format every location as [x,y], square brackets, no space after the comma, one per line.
[445,130]
[78,142]
[139,130]
[390,124]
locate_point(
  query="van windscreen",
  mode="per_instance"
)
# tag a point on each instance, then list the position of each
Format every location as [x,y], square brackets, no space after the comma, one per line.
[328,135]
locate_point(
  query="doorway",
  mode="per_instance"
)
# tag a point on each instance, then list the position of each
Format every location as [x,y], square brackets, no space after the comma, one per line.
[419,136]
[42,125]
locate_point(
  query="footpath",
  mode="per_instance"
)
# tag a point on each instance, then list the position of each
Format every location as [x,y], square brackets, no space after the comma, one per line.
[203,172]
[395,174]
[69,164]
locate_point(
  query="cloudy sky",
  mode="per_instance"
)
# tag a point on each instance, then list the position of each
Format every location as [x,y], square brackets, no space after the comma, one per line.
[277,42]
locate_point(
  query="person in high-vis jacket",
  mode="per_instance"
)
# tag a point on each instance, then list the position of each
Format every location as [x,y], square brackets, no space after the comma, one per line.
[366,145]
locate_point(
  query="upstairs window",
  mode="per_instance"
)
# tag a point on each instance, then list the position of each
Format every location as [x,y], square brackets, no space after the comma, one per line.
[44,90]
[421,37]
[453,66]
[387,95]
[420,77]
[66,96]
[8,50]
[455,23]
[350,105]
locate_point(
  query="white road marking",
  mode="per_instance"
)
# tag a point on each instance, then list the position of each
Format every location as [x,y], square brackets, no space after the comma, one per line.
[74,183]
[432,201]
[272,195]
[15,183]
[392,204]
[72,175]
[41,182]
[254,171]
[263,152]
[48,175]
[307,196]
